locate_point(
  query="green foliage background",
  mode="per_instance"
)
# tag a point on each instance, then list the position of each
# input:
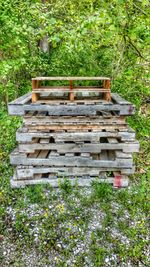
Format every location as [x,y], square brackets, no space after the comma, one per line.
[86,37]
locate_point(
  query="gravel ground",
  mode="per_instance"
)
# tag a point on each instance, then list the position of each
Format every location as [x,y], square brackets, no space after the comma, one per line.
[72,231]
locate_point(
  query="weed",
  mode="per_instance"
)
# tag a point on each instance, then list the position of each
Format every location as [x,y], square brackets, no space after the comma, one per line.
[65,186]
[102,191]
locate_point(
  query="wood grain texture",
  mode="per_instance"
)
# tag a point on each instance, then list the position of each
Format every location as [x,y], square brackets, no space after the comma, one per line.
[69,78]
[24,172]
[116,104]
[17,158]
[80,148]
[23,135]
[106,85]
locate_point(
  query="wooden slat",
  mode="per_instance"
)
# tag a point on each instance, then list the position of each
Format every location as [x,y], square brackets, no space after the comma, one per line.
[81,148]
[104,155]
[119,99]
[44,140]
[69,78]
[112,140]
[25,171]
[35,140]
[77,127]
[76,101]
[53,154]
[73,121]
[64,88]
[35,96]
[120,154]
[33,155]
[22,99]
[43,154]
[106,85]
[68,90]
[54,182]
[71,91]
[111,155]
[76,110]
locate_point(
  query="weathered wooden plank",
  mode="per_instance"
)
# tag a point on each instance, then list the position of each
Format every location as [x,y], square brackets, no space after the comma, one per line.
[35,96]
[68,154]
[29,171]
[43,115]
[103,121]
[68,90]
[17,158]
[106,85]
[85,155]
[112,140]
[23,135]
[22,99]
[67,102]
[111,155]
[55,182]
[69,78]
[71,128]
[75,126]
[35,140]
[117,180]
[118,99]
[81,148]
[53,154]
[17,108]
[73,120]
[120,154]
[43,154]
[44,140]
[33,155]
[104,155]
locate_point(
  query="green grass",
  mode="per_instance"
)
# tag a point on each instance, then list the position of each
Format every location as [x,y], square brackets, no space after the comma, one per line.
[73,226]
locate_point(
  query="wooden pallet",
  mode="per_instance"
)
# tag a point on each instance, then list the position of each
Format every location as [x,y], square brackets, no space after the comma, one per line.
[42,118]
[116,179]
[29,172]
[73,132]
[104,143]
[105,159]
[69,92]
[25,135]
[62,108]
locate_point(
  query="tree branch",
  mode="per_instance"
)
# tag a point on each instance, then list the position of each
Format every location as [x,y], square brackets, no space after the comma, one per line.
[139,8]
[136,49]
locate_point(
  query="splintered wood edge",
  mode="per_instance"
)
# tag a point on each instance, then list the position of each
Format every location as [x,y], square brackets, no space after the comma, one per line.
[69,78]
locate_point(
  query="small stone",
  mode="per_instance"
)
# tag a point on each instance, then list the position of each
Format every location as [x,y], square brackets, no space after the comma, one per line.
[107,260]
[58,245]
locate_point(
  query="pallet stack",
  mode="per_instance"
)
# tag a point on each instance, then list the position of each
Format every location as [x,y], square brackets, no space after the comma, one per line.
[78,132]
